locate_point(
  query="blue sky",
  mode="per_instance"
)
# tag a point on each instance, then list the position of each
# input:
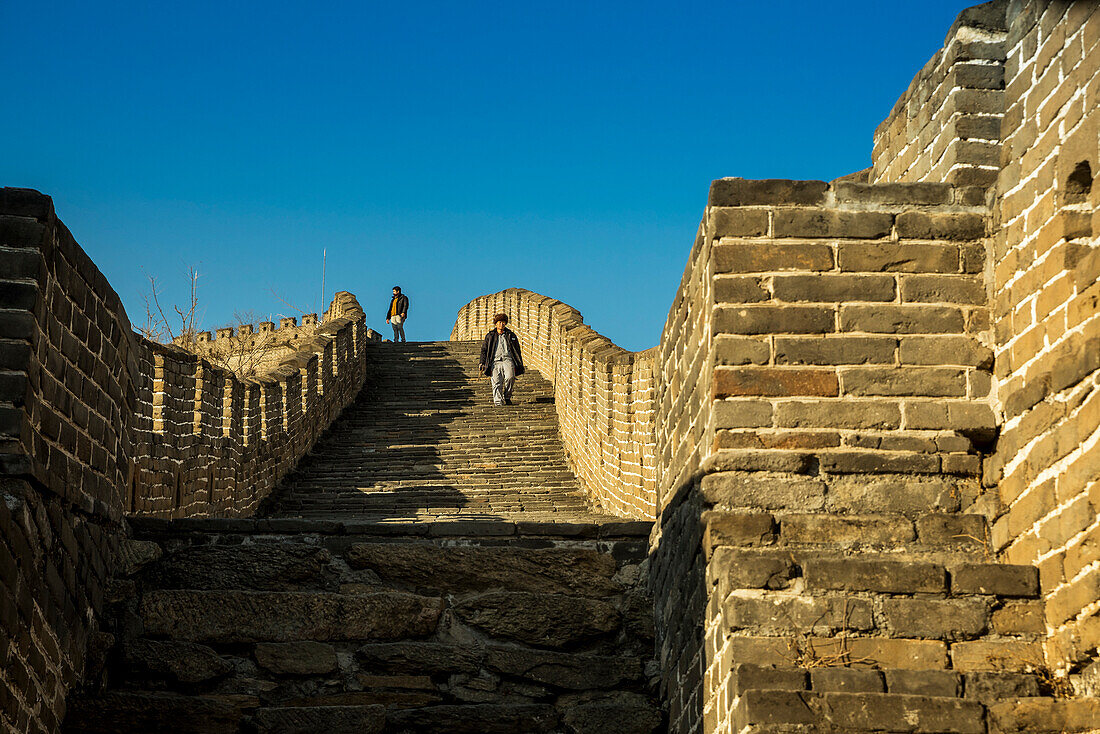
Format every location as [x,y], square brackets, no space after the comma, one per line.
[452,148]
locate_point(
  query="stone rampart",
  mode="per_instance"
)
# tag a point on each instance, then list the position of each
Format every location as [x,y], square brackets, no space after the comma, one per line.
[603,394]
[96,421]
[946,127]
[1046,265]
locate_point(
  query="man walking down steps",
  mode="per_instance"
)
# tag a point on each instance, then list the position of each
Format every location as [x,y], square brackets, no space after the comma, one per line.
[501,360]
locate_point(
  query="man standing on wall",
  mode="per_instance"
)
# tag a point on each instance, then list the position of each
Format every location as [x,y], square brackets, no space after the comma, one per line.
[501,360]
[397,313]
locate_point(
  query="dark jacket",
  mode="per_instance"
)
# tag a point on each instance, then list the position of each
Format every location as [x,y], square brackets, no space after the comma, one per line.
[402,306]
[489,350]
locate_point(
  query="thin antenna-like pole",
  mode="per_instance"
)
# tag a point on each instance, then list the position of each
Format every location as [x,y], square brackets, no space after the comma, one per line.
[324,257]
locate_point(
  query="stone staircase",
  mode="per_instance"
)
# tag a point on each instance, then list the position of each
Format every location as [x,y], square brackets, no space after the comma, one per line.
[433,566]
[423,441]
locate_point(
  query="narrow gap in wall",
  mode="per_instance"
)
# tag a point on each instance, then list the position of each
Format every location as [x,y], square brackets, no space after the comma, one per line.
[1079,184]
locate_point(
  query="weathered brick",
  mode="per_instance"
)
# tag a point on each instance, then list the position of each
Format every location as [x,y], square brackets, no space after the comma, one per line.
[948,619]
[739,289]
[764,257]
[757,192]
[738,528]
[944,350]
[778,382]
[742,414]
[895,257]
[739,350]
[847,680]
[766,493]
[893,193]
[878,462]
[757,439]
[905,381]
[747,569]
[1019,618]
[786,613]
[846,529]
[842,414]
[736,222]
[833,288]
[995,578]
[907,319]
[754,319]
[923,682]
[1009,655]
[942,289]
[896,577]
[747,676]
[834,351]
[928,226]
[831,223]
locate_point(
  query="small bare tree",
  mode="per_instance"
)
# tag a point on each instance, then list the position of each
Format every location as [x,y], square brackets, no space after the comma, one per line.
[159,326]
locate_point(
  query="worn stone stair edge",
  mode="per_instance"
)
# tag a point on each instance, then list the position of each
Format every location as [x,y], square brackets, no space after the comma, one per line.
[611,528]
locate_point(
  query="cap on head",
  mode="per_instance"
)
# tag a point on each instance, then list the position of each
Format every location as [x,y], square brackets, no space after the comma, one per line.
[500,317]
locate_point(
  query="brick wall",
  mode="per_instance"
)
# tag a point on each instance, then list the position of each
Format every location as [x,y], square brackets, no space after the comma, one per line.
[96,421]
[946,127]
[828,352]
[1046,470]
[604,395]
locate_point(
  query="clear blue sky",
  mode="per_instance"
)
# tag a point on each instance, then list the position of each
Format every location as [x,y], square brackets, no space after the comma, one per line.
[452,148]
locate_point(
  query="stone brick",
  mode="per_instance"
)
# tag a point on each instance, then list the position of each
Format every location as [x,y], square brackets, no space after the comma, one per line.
[766,493]
[739,289]
[736,222]
[296,658]
[944,350]
[765,192]
[951,529]
[764,257]
[923,682]
[738,529]
[907,319]
[801,614]
[1044,715]
[877,462]
[739,350]
[1019,618]
[752,570]
[548,620]
[995,578]
[833,288]
[904,382]
[774,319]
[942,289]
[894,257]
[833,351]
[995,655]
[779,382]
[925,193]
[240,616]
[831,223]
[742,414]
[951,619]
[843,414]
[846,529]
[846,680]
[747,676]
[896,577]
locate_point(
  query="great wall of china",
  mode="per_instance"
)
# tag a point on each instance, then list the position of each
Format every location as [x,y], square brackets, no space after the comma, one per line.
[854,488]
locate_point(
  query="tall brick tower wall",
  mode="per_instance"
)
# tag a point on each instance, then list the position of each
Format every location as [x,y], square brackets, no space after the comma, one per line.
[97,422]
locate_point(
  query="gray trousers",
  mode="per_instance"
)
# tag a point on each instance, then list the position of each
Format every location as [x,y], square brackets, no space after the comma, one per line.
[398,331]
[504,378]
